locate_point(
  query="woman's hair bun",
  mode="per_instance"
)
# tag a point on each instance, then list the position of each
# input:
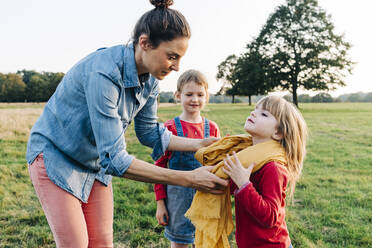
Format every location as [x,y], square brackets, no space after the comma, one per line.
[161,3]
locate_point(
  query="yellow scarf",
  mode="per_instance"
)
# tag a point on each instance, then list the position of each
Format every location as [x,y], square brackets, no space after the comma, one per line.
[211,214]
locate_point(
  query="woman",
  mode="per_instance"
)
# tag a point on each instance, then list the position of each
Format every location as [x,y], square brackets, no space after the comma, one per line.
[78,142]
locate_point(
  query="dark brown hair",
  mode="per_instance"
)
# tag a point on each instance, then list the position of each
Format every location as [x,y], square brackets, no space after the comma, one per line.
[161,24]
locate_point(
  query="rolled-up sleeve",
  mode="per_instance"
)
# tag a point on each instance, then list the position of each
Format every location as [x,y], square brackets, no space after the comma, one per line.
[102,96]
[149,132]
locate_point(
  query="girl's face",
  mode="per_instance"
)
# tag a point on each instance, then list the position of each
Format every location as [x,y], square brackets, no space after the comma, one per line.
[160,61]
[193,97]
[262,125]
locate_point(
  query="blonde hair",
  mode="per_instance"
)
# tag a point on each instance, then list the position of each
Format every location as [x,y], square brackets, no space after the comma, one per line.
[192,76]
[293,128]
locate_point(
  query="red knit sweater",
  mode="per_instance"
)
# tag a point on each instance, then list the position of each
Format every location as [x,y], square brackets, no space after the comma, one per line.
[260,209]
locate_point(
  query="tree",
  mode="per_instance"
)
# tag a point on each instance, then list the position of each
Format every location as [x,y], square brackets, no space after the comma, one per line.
[355,97]
[368,97]
[249,74]
[36,89]
[299,41]
[244,75]
[226,74]
[52,79]
[322,97]
[12,88]
[26,75]
[304,98]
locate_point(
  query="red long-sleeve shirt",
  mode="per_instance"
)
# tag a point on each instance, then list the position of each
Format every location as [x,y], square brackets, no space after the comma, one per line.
[260,209]
[190,130]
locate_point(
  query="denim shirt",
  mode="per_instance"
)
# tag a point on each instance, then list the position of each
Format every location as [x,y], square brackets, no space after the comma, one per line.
[81,130]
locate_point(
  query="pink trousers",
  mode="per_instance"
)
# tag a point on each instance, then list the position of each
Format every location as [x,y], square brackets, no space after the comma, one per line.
[74,223]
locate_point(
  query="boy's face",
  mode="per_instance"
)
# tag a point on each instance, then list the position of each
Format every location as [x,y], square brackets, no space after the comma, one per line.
[193,97]
[261,124]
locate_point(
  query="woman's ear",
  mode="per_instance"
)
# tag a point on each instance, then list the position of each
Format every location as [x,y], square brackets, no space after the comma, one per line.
[144,42]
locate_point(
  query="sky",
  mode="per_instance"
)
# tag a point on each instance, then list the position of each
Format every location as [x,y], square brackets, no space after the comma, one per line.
[49,35]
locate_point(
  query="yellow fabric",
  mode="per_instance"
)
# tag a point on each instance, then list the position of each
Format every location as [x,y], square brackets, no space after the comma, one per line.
[211,214]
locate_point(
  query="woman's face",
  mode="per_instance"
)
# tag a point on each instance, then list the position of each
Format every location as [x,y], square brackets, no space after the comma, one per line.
[165,58]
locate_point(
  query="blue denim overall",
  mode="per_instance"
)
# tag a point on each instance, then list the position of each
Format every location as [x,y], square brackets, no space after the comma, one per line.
[179,228]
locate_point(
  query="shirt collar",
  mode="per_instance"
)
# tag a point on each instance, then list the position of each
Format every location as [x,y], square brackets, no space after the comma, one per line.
[130,71]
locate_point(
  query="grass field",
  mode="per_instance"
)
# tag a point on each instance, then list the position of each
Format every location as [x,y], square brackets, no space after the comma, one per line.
[333,200]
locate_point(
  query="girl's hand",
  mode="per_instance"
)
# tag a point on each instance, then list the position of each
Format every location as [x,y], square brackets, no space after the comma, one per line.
[236,171]
[162,213]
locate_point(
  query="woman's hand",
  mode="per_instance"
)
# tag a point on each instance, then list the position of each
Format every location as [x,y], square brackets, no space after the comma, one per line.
[236,171]
[202,179]
[162,213]
[207,142]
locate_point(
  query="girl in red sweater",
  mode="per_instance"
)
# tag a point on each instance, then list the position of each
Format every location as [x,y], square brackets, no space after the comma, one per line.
[260,197]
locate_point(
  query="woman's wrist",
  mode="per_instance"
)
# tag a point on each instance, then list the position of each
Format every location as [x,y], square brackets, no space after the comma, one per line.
[184,144]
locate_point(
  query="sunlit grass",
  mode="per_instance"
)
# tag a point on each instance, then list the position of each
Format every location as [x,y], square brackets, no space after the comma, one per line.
[333,200]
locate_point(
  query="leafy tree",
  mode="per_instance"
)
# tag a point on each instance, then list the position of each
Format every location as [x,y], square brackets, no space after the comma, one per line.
[26,75]
[244,75]
[368,97]
[28,86]
[12,88]
[355,97]
[35,91]
[166,96]
[249,74]
[322,97]
[304,98]
[52,79]
[226,74]
[299,41]
[41,86]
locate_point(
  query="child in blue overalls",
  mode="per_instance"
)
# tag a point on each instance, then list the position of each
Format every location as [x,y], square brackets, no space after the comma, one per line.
[174,201]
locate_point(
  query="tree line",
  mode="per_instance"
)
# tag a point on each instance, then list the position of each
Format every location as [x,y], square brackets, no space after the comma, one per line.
[296,49]
[321,97]
[28,86]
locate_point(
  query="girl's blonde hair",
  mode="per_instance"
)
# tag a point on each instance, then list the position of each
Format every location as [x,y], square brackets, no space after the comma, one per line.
[293,128]
[192,76]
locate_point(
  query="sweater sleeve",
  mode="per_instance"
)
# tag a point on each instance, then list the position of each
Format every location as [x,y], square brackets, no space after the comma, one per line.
[265,201]
[215,131]
[232,186]
[160,189]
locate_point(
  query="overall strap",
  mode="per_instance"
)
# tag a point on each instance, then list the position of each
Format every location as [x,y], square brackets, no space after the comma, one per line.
[177,121]
[206,128]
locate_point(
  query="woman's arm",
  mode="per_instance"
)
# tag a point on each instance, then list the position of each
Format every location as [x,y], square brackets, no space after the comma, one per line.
[190,145]
[201,179]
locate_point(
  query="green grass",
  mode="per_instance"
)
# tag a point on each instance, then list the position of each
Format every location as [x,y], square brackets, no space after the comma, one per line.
[332,205]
